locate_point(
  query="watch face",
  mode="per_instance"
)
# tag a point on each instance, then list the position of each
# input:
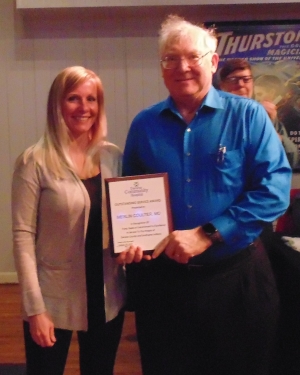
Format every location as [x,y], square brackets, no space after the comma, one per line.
[212,232]
[209,228]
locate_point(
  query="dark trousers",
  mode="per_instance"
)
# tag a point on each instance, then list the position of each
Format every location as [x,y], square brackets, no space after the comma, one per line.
[211,320]
[97,350]
[286,265]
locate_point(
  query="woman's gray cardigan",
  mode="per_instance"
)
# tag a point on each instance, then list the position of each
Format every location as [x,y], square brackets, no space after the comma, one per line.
[50,218]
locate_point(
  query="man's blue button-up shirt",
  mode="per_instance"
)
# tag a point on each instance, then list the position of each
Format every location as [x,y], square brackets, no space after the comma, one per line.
[226,167]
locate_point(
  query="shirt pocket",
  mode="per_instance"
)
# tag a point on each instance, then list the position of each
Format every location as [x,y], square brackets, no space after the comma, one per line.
[228,176]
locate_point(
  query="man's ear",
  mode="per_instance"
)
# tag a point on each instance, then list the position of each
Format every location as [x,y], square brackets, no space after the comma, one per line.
[214,62]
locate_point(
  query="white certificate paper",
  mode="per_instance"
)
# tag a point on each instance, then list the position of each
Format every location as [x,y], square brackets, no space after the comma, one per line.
[138,210]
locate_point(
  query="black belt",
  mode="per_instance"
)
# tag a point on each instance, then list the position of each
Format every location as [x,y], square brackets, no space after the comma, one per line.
[224,263]
[166,264]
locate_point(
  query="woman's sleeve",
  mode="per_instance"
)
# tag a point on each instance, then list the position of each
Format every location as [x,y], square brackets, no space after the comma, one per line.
[25,200]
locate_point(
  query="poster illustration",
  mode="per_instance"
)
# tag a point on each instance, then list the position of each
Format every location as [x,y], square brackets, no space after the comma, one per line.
[272,50]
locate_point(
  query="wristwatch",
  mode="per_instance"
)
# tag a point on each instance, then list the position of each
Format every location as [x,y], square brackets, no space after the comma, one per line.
[212,233]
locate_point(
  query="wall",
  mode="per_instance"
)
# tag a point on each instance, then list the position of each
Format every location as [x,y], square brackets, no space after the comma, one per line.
[120,44]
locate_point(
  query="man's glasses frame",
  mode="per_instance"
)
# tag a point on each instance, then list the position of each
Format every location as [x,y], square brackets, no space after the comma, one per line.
[236,79]
[172,62]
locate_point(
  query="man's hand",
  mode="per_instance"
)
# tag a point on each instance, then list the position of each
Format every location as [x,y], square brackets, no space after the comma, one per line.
[42,329]
[181,245]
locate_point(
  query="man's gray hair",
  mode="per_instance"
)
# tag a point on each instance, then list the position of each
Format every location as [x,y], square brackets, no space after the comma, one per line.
[175,28]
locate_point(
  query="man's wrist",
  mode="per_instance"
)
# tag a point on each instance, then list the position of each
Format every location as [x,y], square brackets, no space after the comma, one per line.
[212,232]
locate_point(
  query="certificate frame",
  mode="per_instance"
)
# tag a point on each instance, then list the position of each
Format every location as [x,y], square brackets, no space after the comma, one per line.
[139,211]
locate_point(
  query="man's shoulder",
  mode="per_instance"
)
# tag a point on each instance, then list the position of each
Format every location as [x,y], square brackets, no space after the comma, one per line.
[233,97]
[152,110]
[238,102]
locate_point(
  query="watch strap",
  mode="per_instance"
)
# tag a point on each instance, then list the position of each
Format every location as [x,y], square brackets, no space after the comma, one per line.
[212,232]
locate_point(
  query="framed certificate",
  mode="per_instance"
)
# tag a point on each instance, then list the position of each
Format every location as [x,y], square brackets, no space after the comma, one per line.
[138,211]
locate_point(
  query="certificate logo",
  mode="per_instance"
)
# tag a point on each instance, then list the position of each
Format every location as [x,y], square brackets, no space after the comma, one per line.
[136,190]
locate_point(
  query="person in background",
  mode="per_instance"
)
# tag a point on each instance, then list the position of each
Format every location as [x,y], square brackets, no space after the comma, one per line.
[206,300]
[60,233]
[236,77]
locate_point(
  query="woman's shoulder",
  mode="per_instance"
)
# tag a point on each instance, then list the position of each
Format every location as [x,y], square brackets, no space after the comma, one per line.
[111,159]
[110,149]
[26,158]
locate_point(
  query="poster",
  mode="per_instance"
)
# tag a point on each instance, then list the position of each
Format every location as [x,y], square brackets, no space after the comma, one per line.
[274,50]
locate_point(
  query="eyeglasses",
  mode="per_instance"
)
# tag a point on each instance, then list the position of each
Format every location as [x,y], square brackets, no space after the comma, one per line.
[172,62]
[236,80]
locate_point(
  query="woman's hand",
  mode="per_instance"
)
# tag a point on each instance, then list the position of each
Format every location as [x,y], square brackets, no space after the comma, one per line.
[42,329]
[132,254]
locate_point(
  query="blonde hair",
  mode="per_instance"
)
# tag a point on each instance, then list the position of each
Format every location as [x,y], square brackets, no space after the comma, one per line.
[175,28]
[52,149]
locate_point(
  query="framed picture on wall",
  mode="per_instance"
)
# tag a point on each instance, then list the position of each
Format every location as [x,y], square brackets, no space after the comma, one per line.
[273,51]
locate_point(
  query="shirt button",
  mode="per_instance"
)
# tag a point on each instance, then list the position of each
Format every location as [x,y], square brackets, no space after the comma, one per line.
[189,206]
[188,154]
[188,129]
[188,180]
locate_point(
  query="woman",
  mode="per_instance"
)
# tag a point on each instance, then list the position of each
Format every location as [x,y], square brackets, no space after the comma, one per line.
[68,279]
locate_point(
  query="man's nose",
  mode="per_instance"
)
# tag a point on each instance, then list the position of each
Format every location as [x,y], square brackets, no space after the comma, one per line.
[183,64]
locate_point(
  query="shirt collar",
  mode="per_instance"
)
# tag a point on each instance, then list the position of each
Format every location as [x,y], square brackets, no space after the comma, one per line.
[212,100]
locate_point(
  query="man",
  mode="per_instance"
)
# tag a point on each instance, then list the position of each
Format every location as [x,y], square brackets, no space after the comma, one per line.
[206,302]
[236,78]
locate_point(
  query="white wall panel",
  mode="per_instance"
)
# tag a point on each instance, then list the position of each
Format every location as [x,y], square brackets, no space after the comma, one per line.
[28,82]
[6,133]
[116,103]
[134,58]
[112,70]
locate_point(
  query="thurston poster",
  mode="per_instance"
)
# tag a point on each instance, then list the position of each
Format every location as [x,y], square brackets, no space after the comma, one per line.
[271,49]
